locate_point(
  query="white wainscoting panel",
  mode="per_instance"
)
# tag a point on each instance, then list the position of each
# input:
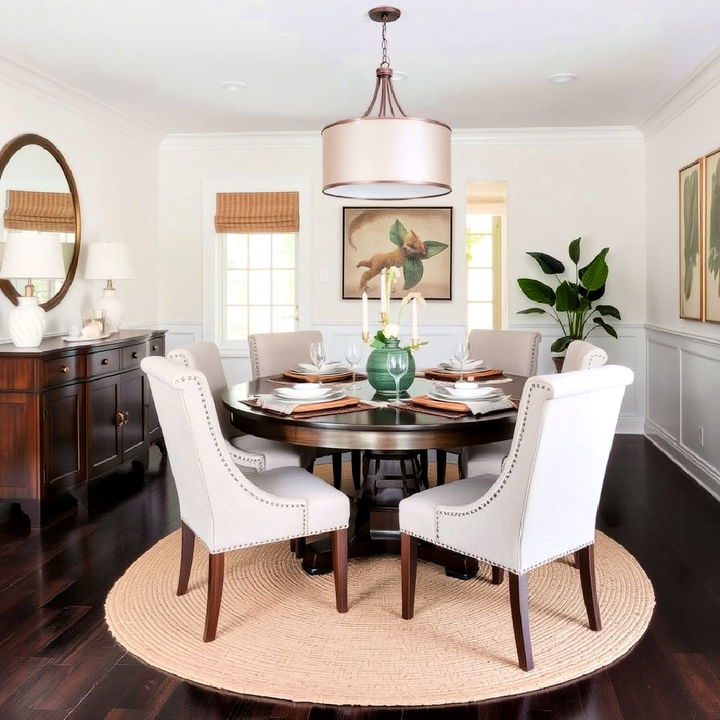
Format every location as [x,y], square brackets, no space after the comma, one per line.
[683,411]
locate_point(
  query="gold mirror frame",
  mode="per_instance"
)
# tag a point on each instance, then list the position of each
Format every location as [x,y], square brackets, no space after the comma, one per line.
[6,155]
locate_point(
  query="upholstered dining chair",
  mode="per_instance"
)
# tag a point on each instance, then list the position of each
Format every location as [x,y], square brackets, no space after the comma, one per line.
[513,351]
[481,459]
[273,353]
[543,504]
[222,507]
[246,450]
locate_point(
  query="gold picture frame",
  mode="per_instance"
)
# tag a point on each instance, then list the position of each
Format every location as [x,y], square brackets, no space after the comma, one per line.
[711,236]
[691,261]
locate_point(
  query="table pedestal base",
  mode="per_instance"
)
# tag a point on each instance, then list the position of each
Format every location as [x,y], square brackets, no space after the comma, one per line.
[374,525]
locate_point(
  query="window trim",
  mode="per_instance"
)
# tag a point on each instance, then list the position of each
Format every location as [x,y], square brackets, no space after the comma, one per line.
[212,251]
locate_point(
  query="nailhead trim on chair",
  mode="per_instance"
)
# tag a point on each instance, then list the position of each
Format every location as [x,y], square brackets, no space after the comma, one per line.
[533,355]
[233,468]
[241,457]
[595,356]
[252,347]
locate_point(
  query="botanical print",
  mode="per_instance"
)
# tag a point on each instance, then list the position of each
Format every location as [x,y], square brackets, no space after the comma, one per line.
[712,236]
[417,240]
[690,268]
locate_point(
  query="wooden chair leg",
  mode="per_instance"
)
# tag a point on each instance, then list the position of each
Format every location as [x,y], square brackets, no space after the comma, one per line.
[408,573]
[340,568]
[355,456]
[521,620]
[440,464]
[216,575]
[585,560]
[300,547]
[186,558]
[498,575]
[292,545]
[337,470]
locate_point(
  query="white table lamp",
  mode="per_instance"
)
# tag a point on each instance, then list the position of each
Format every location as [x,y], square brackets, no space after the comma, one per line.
[109,261]
[30,255]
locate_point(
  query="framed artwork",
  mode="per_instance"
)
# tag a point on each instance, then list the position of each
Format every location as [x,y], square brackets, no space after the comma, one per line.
[416,239]
[711,191]
[690,235]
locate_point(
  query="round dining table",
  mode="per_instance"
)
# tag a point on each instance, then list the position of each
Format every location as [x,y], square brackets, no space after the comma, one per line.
[382,428]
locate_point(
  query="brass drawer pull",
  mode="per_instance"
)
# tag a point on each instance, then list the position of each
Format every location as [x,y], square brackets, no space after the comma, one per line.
[104,361]
[135,355]
[119,420]
[126,417]
[65,369]
[155,348]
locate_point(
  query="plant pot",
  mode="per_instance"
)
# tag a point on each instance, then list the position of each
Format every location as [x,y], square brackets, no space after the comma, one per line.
[558,360]
[378,375]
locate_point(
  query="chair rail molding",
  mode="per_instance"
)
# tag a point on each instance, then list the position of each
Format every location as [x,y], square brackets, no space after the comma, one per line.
[683,417]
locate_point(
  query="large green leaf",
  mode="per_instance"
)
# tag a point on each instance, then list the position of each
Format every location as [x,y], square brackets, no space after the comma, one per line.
[531,311]
[397,233]
[690,225]
[432,247]
[609,310]
[537,291]
[413,272]
[713,230]
[574,250]
[594,275]
[560,345]
[566,297]
[584,305]
[609,329]
[548,264]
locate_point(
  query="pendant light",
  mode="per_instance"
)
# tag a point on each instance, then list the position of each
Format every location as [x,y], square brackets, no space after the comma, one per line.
[386,155]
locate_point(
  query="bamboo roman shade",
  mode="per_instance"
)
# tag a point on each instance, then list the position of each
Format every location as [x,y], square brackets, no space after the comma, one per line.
[260,212]
[41,211]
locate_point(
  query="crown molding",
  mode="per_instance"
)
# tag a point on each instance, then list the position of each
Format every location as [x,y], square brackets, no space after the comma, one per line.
[460,137]
[688,92]
[602,134]
[53,91]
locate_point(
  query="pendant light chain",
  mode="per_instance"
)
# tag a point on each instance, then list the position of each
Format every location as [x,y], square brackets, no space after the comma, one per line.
[385,62]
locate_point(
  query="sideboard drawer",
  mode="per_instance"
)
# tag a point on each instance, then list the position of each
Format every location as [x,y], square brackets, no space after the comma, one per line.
[103,362]
[133,354]
[60,370]
[157,346]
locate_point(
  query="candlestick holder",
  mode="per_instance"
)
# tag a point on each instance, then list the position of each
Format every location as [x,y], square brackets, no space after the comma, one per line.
[365,336]
[384,318]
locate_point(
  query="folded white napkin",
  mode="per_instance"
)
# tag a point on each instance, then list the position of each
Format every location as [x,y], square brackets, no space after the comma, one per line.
[334,366]
[281,405]
[481,407]
[479,393]
[465,366]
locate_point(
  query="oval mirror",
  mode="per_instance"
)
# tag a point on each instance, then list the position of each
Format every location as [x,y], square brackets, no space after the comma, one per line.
[39,195]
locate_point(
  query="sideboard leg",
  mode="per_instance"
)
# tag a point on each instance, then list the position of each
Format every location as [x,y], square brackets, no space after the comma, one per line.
[33,509]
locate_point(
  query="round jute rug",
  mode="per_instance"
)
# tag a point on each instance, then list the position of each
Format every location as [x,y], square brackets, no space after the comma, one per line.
[279,635]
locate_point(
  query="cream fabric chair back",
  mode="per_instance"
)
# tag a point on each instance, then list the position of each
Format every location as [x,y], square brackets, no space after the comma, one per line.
[217,502]
[271,353]
[514,351]
[205,356]
[544,502]
[583,355]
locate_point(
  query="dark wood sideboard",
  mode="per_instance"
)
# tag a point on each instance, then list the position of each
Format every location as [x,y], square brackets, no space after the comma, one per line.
[71,413]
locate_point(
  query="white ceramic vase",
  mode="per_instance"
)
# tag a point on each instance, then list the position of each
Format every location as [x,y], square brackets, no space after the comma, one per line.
[27,322]
[113,307]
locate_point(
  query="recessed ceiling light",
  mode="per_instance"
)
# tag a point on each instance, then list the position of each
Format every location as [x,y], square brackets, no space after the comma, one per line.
[233,85]
[562,77]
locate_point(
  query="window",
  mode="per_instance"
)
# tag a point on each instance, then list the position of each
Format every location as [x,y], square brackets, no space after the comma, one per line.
[258,284]
[483,246]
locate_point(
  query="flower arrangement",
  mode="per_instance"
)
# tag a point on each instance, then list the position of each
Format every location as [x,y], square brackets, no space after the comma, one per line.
[389,333]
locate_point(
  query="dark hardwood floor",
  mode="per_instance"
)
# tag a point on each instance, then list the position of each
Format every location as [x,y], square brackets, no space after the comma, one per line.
[59,661]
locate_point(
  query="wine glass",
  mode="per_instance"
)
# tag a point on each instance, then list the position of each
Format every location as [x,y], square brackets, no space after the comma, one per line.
[317,355]
[461,353]
[397,366]
[353,355]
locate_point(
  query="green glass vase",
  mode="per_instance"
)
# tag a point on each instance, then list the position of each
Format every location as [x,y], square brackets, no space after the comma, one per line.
[377,372]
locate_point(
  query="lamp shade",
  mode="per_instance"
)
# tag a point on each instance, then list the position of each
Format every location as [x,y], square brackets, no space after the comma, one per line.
[386,158]
[32,255]
[108,261]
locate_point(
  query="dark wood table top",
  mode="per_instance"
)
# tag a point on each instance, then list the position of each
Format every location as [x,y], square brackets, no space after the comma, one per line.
[382,428]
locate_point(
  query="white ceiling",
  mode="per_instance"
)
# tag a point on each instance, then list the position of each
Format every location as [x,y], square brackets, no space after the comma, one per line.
[471,63]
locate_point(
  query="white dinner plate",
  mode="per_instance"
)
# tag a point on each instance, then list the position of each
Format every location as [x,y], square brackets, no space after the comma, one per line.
[483,393]
[333,395]
[300,393]
[467,367]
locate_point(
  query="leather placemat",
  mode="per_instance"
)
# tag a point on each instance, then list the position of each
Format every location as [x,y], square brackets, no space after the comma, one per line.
[336,407]
[435,374]
[311,377]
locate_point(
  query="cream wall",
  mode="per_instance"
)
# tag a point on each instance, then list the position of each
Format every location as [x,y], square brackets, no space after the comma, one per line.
[115,166]
[683,415]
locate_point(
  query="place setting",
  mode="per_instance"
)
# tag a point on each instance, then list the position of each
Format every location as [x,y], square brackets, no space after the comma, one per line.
[320,370]
[461,367]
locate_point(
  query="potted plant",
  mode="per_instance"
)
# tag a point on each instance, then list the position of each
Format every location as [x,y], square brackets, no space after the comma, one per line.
[572,302]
